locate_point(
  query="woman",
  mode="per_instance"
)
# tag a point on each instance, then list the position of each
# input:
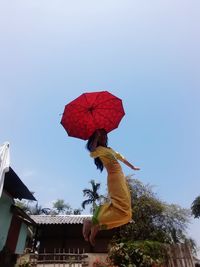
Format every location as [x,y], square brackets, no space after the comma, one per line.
[118,211]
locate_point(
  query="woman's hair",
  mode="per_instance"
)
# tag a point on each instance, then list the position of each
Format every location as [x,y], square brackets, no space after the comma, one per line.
[90,141]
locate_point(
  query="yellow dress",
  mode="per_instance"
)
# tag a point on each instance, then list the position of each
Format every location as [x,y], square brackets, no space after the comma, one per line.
[118,211]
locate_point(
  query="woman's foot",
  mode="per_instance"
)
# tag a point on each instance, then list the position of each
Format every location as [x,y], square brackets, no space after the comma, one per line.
[94,231]
[87,225]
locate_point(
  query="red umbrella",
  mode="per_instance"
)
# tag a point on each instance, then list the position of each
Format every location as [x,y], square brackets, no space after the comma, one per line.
[91,111]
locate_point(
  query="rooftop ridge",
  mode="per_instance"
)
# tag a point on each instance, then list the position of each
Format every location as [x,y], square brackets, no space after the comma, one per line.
[59,219]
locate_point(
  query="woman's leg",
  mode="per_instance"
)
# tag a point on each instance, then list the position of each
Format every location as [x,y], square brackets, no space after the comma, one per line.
[118,212]
[94,230]
[90,231]
[114,214]
[87,224]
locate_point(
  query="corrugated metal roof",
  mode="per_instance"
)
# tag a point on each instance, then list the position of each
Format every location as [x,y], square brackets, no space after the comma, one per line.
[60,219]
[15,187]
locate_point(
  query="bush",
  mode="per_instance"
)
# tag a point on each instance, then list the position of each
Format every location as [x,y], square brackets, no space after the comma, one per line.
[98,263]
[137,254]
[24,264]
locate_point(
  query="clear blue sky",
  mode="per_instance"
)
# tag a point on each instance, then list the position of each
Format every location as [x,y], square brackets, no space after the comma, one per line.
[145,52]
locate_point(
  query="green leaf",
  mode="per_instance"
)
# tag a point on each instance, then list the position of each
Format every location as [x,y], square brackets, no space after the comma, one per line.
[121,245]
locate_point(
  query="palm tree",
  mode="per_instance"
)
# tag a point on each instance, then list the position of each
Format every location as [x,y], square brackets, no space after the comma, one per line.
[92,195]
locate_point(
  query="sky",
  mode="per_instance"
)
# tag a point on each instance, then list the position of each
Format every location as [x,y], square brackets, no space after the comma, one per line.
[145,52]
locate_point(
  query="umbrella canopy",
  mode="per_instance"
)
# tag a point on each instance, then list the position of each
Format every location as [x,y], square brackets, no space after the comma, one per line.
[92,111]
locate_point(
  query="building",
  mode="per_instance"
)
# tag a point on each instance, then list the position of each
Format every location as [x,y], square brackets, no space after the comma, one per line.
[64,233]
[15,224]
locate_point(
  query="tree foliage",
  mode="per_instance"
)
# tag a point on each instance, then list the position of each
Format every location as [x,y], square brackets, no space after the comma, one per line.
[154,224]
[152,218]
[139,253]
[59,207]
[196,207]
[32,208]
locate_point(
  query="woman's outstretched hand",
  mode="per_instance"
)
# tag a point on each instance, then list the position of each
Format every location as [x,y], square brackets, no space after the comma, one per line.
[135,168]
[130,165]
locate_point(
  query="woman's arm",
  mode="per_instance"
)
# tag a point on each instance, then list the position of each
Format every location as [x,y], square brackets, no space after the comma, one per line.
[130,165]
[125,161]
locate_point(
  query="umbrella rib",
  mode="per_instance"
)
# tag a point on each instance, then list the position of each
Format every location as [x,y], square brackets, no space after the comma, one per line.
[119,110]
[110,109]
[90,112]
[86,98]
[77,105]
[107,101]
[103,116]
[96,98]
[93,101]
[94,121]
